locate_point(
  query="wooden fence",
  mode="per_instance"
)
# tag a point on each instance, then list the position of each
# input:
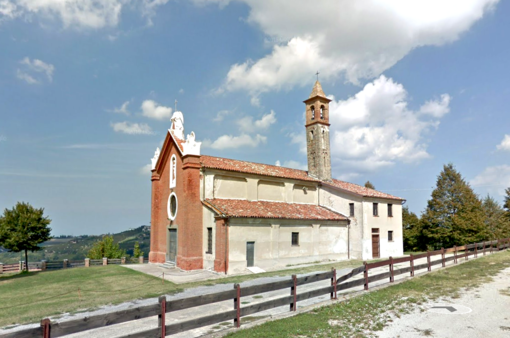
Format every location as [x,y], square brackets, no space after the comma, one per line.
[337,283]
[63,264]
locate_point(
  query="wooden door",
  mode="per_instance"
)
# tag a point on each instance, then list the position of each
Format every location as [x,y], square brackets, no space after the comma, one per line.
[172,245]
[375,245]
[250,253]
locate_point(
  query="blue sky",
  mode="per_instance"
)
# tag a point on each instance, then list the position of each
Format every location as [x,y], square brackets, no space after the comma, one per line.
[87,88]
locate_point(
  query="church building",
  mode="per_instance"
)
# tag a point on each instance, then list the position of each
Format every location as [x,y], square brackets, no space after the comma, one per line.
[228,215]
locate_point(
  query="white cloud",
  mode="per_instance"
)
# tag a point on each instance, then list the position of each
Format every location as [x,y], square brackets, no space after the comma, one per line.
[299,139]
[295,165]
[122,109]
[493,180]
[181,91]
[246,124]
[32,68]
[356,39]
[436,108]
[221,115]
[232,142]
[277,163]
[153,110]
[146,170]
[88,14]
[375,128]
[505,144]
[131,128]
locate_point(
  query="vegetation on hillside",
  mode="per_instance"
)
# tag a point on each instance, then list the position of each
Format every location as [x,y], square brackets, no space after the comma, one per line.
[77,247]
[23,228]
[106,247]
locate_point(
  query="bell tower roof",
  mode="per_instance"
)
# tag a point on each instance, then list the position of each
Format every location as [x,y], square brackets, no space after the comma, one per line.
[317,90]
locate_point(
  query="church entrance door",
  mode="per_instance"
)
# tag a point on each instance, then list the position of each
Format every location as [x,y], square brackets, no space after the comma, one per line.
[172,244]
[250,253]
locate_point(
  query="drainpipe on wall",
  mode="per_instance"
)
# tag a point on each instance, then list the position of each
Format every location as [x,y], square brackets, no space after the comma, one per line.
[226,245]
[349,240]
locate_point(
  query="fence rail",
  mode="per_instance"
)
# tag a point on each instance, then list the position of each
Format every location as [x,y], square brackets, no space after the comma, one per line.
[337,283]
[63,264]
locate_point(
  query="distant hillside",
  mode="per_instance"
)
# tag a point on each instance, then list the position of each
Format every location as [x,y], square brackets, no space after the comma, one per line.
[76,248]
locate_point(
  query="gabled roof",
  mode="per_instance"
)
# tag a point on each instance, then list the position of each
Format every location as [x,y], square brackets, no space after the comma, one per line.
[253,168]
[360,190]
[282,172]
[264,209]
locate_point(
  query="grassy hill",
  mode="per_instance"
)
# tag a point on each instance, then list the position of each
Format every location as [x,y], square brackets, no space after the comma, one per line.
[76,248]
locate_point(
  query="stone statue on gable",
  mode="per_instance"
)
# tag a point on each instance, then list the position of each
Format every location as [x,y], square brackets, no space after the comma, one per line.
[178,125]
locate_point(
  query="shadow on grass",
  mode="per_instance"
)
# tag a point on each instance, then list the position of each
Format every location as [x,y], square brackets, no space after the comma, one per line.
[17,275]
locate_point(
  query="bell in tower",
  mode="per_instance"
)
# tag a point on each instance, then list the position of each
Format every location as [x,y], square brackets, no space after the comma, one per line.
[317,134]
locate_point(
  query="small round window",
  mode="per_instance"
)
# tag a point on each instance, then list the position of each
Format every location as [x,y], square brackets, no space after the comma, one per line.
[172,206]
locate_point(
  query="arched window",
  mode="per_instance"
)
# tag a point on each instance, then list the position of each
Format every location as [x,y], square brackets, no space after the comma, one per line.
[311,135]
[173,171]
[322,112]
[313,113]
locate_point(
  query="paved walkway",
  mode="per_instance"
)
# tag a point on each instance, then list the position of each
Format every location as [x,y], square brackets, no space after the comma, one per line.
[173,317]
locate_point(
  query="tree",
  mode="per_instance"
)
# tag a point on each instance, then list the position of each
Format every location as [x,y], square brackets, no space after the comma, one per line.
[106,247]
[454,214]
[506,205]
[136,251]
[23,228]
[412,233]
[369,185]
[496,222]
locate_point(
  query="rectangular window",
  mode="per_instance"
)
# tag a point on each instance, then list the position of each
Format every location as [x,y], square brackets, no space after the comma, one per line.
[295,238]
[209,240]
[390,210]
[351,209]
[376,209]
[390,236]
[375,230]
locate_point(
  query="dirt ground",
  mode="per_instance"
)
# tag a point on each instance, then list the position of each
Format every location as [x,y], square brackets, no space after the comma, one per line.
[481,312]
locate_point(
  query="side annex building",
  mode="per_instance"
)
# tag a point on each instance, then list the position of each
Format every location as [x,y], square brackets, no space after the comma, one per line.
[223,214]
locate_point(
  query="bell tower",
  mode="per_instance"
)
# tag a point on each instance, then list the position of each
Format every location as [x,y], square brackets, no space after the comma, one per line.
[317,134]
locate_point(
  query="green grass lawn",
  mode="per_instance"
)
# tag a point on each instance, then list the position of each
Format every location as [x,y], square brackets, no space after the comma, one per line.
[26,298]
[362,316]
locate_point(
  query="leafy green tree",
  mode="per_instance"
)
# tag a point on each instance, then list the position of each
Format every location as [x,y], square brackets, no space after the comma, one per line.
[106,247]
[413,240]
[23,228]
[369,185]
[136,251]
[454,214]
[496,222]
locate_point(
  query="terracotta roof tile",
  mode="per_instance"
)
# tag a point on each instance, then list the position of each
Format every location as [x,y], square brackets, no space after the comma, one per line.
[264,209]
[360,190]
[317,90]
[275,171]
[253,168]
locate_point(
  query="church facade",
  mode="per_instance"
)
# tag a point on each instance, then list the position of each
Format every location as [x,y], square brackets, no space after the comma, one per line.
[227,215]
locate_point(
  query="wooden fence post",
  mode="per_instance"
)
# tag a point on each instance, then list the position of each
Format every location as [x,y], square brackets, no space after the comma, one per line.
[455,254]
[1,268]
[333,284]
[46,328]
[105,261]
[293,292]
[392,277]
[140,260]
[162,316]
[237,305]
[123,260]
[65,263]
[20,266]
[443,257]
[497,245]
[365,274]
[484,248]
[429,268]
[43,265]
[476,250]
[466,252]
[412,265]
[87,262]
[491,247]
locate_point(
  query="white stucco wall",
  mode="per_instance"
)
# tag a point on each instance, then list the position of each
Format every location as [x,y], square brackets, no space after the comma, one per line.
[208,222]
